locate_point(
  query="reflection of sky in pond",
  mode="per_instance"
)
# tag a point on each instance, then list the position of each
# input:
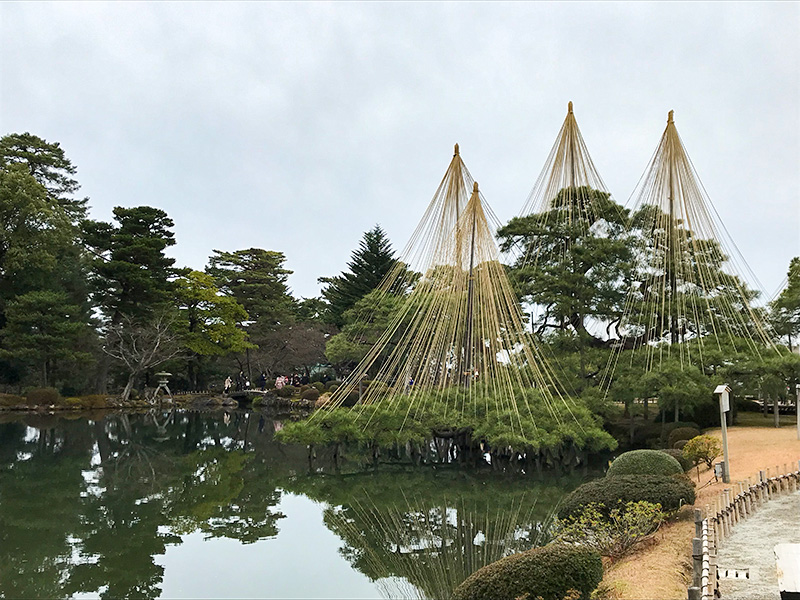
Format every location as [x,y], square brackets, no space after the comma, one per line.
[301,562]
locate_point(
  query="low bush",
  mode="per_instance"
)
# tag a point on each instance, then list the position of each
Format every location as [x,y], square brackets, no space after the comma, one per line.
[319,386]
[670,427]
[11,400]
[678,455]
[311,393]
[333,388]
[335,382]
[678,446]
[644,462]
[702,448]
[304,387]
[670,492]
[746,405]
[613,534]
[550,572]
[286,391]
[42,396]
[681,433]
[351,399]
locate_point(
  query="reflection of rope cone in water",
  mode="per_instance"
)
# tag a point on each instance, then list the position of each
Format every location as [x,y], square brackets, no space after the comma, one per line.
[691,286]
[460,323]
[416,550]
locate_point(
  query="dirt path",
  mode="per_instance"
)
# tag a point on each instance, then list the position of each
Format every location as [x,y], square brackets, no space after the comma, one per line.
[663,570]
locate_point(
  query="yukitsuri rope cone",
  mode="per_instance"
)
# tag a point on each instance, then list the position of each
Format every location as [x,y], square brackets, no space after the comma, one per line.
[566,179]
[690,295]
[460,327]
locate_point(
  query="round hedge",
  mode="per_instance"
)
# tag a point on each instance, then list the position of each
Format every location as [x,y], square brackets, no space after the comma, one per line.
[681,433]
[670,492]
[310,394]
[644,462]
[40,396]
[678,455]
[286,391]
[549,572]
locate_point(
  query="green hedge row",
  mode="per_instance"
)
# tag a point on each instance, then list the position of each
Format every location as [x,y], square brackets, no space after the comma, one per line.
[670,492]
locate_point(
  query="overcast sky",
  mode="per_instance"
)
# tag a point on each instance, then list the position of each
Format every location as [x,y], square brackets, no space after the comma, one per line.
[297,127]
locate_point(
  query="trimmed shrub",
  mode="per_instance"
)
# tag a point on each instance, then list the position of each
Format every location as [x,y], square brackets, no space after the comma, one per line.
[42,396]
[319,386]
[336,382]
[678,455]
[351,399]
[678,445]
[333,388]
[644,462]
[286,391]
[670,492]
[304,387]
[310,394]
[550,573]
[670,427]
[681,433]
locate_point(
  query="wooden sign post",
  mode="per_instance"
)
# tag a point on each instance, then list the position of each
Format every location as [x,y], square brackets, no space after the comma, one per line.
[724,406]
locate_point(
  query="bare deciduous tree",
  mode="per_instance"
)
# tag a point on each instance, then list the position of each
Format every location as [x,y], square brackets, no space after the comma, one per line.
[141,345]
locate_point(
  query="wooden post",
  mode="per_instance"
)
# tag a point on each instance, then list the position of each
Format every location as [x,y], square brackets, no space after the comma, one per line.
[697,561]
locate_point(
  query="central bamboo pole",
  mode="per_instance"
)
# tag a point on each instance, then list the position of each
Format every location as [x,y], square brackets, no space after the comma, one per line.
[470,291]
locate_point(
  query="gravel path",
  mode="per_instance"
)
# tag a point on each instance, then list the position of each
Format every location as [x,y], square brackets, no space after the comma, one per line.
[752,545]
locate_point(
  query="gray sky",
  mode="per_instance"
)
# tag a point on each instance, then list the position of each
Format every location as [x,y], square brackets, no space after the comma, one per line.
[297,127]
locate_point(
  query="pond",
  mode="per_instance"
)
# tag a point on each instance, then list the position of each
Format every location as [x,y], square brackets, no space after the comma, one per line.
[179,504]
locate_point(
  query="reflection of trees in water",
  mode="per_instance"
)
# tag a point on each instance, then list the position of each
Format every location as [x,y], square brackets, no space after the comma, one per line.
[419,535]
[86,506]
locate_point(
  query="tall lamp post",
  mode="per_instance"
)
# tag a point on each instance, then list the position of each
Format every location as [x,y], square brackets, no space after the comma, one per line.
[724,406]
[797,407]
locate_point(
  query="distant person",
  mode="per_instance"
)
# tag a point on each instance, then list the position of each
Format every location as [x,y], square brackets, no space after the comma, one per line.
[228,384]
[262,381]
[279,382]
[240,379]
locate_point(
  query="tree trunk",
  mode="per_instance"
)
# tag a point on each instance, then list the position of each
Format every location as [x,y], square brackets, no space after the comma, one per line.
[128,387]
[776,411]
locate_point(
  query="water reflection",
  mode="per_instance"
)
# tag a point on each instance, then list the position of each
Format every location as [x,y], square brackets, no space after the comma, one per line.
[90,506]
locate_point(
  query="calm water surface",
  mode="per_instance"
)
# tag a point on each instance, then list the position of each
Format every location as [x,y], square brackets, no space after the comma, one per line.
[207,505]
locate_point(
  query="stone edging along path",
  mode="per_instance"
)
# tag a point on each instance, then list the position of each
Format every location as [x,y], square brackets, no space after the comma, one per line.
[715,523]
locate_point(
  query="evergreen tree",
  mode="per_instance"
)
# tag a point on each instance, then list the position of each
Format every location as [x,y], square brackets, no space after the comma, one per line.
[573,261]
[368,265]
[48,165]
[45,333]
[786,308]
[42,263]
[257,279]
[131,274]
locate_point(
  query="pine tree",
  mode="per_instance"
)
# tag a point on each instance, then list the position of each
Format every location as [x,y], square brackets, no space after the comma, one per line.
[368,265]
